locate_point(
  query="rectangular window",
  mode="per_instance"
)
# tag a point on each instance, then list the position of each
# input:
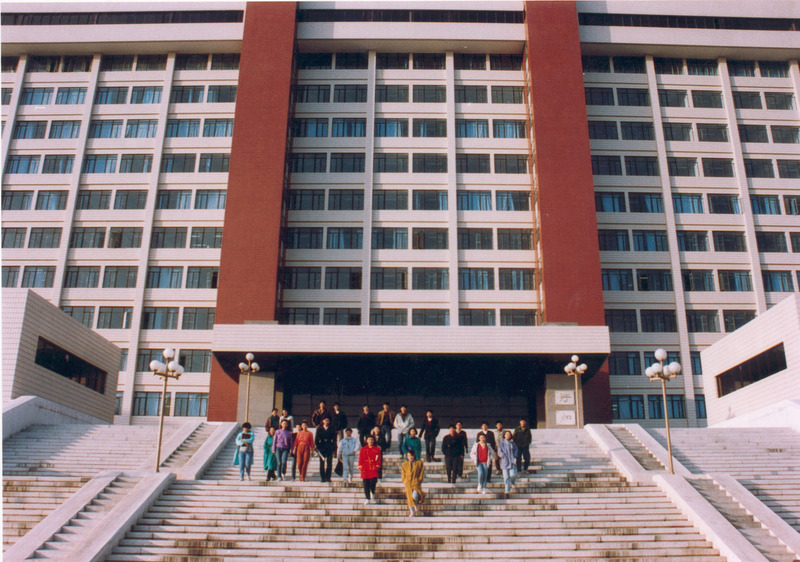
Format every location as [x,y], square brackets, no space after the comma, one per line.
[135,163]
[599,96]
[517,279]
[87,237]
[633,97]
[350,93]
[149,63]
[51,200]
[221,94]
[391,94]
[627,407]
[35,96]
[774,68]
[81,277]
[183,128]
[390,199]
[677,131]
[18,164]
[141,128]
[641,166]
[771,242]
[30,130]
[198,318]
[105,129]
[514,239]
[779,100]
[125,237]
[476,317]
[472,164]
[692,240]
[344,238]
[390,163]
[471,128]
[303,238]
[388,278]
[792,204]
[765,204]
[795,241]
[314,61]
[752,370]
[785,134]
[735,319]
[385,238]
[475,239]
[298,316]
[351,61]
[178,163]
[206,237]
[17,200]
[650,241]
[513,200]
[66,364]
[718,167]
[510,163]
[430,127]
[391,61]
[430,278]
[64,130]
[654,279]
[306,199]
[681,167]
[147,403]
[225,61]
[210,199]
[145,356]
[672,98]
[746,100]
[391,127]
[731,280]
[164,277]
[111,96]
[687,202]
[471,94]
[624,363]
[114,317]
[309,163]
[753,133]
[187,94]
[14,237]
[429,164]
[469,61]
[388,317]
[777,281]
[645,203]
[629,65]
[116,63]
[430,317]
[614,240]
[695,280]
[708,132]
[617,279]
[159,318]
[758,168]
[214,163]
[305,128]
[38,276]
[341,316]
[606,165]
[349,127]
[729,242]
[518,317]
[621,320]
[706,98]
[10,275]
[658,321]
[701,67]
[723,204]
[668,65]
[343,278]
[195,360]
[429,94]
[99,163]
[192,404]
[342,162]
[789,168]
[202,277]
[71,96]
[508,94]
[741,67]
[301,278]
[168,237]
[637,130]
[313,93]
[120,277]
[474,200]
[505,62]
[599,130]
[428,61]
[699,321]
[592,63]
[173,199]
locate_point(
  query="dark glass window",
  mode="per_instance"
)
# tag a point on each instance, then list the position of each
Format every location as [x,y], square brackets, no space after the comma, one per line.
[60,361]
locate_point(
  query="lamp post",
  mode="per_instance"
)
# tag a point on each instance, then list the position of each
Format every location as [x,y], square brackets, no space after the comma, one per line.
[170,369]
[574,370]
[659,371]
[248,369]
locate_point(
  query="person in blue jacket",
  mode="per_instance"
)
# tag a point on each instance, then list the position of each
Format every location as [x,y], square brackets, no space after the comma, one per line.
[243,457]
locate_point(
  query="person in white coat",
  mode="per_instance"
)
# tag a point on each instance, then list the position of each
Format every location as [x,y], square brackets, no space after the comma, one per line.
[347,453]
[402,423]
[483,456]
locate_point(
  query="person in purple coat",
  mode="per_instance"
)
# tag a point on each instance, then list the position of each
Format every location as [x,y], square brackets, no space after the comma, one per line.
[281,445]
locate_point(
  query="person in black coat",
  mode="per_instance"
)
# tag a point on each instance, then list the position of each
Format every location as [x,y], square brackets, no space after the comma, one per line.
[325,443]
[338,422]
[429,432]
[454,449]
[365,424]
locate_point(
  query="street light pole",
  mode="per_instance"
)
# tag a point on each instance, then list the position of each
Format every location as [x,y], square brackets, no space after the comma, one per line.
[659,371]
[574,370]
[248,369]
[168,370]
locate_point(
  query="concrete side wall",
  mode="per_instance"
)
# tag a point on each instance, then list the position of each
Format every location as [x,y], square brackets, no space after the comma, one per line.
[33,317]
[22,412]
[779,324]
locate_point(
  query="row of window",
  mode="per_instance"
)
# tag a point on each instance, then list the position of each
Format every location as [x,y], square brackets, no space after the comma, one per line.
[124,199]
[421,93]
[706,132]
[422,238]
[153,317]
[426,163]
[107,163]
[423,278]
[678,166]
[692,203]
[194,404]
[118,237]
[693,67]
[398,127]
[115,95]
[629,363]
[113,128]
[402,61]
[116,63]
[665,321]
[618,240]
[596,95]
[693,280]
[122,18]
[113,277]
[631,406]
[397,199]
[399,316]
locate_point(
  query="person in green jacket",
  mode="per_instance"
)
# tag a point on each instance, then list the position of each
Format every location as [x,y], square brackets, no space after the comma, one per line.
[412,443]
[270,458]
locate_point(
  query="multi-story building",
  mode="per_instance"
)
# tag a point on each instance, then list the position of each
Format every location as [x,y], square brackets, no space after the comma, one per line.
[410,196]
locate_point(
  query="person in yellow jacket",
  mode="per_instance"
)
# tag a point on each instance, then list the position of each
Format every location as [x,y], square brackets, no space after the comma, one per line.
[412,474]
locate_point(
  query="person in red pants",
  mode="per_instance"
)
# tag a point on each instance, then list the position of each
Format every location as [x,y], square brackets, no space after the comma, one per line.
[303,446]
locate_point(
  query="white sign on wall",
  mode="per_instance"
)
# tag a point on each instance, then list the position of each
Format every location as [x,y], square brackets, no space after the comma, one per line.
[565,397]
[565,417]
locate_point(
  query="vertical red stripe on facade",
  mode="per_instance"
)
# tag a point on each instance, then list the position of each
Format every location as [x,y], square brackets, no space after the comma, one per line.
[570,257]
[248,276]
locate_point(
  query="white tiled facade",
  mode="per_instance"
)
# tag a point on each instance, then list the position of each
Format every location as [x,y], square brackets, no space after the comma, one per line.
[640,205]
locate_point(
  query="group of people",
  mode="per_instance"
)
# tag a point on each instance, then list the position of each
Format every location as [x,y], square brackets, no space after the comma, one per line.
[507,451]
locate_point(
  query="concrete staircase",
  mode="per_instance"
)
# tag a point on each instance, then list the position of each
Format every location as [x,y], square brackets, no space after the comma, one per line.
[574,505]
[635,447]
[79,450]
[29,499]
[188,448]
[765,461]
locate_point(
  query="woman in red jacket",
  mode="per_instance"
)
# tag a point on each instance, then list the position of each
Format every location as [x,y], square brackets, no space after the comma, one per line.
[303,445]
[369,463]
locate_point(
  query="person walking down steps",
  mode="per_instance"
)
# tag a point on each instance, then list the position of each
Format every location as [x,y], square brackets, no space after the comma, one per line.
[412,474]
[243,457]
[369,463]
